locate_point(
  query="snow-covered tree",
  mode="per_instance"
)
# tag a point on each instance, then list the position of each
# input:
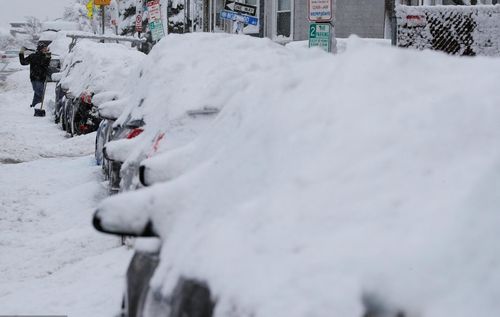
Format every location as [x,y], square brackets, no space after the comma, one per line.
[77,12]
[33,28]
[176,16]
[7,41]
[127,11]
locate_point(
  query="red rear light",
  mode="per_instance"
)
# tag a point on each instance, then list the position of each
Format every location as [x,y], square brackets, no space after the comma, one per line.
[86,97]
[83,128]
[134,133]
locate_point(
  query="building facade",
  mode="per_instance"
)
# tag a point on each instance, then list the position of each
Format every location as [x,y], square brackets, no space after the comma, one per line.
[286,20]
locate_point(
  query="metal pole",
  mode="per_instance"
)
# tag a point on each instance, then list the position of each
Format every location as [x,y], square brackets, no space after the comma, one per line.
[261,18]
[103,17]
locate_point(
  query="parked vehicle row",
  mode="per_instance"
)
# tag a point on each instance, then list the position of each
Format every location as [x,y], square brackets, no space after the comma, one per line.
[90,69]
[171,106]
[258,182]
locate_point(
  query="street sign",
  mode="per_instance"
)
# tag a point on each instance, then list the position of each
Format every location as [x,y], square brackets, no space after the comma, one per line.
[321,10]
[90,9]
[240,8]
[138,23]
[102,2]
[233,16]
[154,10]
[320,35]
[155,22]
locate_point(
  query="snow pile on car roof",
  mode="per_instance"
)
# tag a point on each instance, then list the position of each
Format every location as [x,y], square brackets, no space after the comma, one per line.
[177,79]
[60,44]
[99,67]
[331,185]
[186,72]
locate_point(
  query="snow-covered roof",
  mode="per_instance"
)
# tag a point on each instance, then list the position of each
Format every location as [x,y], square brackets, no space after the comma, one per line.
[325,181]
[60,26]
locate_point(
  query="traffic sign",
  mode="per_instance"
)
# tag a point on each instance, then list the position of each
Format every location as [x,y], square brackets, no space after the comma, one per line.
[242,8]
[154,10]
[320,35]
[138,23]
[155,22]
[321,10]
[233,16]
[102,2]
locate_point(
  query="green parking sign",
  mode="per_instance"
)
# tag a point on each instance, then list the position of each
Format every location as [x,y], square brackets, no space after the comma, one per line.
[320,35]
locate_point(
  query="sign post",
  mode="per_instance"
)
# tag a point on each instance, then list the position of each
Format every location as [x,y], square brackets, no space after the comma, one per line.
[321,30]
[103,4]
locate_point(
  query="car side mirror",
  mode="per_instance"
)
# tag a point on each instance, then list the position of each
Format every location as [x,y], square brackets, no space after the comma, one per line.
[123,228]
[106,116]
[142,175]
[105,154]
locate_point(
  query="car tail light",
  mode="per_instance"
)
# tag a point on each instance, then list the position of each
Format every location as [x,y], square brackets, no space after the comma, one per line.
[86,97]
[156,144]
[134,133]
[83,128]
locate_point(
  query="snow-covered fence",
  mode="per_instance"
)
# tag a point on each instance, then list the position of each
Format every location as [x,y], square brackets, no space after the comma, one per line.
[457,30]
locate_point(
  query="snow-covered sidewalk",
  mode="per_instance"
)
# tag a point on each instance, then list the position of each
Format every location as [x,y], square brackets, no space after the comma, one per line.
[51,259]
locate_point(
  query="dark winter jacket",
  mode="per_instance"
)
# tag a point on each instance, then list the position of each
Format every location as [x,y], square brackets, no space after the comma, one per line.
[39,65]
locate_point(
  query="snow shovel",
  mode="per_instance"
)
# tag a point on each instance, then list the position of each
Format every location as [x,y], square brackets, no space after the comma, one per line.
[41,112]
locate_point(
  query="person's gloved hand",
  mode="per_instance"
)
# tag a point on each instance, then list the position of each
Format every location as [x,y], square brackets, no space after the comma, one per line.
[21,51]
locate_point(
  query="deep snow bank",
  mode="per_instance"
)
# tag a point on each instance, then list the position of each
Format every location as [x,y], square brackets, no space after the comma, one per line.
[330,178]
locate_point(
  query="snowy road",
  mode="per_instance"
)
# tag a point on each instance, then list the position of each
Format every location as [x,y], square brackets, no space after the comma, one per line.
[51,259]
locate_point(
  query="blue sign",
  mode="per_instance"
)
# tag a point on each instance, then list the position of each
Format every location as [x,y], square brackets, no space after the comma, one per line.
[233,16]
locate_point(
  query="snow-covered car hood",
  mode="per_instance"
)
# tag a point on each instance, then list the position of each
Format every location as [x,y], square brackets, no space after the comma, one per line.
[324,182]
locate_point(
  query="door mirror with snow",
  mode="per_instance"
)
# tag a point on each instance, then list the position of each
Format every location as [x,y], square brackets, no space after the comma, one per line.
[112,223]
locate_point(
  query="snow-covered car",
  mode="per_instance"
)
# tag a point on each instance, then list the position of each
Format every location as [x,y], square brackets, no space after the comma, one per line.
[8,55]
[108,112]
[92,68]
[309,198]
[173,111]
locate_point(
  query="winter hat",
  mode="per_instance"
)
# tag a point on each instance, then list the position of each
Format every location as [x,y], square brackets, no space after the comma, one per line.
[41,46]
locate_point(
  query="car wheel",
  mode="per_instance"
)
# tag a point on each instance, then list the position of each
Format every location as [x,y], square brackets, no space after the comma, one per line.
[62,116]
[114,177]
[99,142]
[72,122]
[192,299]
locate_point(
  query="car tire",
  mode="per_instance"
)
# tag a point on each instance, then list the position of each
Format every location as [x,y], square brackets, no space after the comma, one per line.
[192,299]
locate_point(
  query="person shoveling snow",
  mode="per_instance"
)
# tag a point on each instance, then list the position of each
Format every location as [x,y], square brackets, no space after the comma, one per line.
[39,65]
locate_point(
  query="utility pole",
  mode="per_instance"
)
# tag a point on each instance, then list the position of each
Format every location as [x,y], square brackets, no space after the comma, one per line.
[103,17]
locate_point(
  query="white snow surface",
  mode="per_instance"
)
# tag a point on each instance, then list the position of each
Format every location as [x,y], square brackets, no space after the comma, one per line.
[176,78]
[51,259]
[326,178]
[103,67]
